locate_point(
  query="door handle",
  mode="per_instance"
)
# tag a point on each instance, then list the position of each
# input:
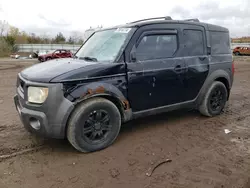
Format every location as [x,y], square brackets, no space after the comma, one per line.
[202,58]
[178,68]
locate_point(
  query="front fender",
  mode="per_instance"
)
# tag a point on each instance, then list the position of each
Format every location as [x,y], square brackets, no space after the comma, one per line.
[88,90]
[95,89]
[108,91]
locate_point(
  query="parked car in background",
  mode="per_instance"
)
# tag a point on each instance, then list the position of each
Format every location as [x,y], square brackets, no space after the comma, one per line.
[59,53]
[15,56]
[241,51]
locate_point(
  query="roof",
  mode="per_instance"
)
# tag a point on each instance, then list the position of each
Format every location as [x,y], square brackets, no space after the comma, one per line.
[168,20]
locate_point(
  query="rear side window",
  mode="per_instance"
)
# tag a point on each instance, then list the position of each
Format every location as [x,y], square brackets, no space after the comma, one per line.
[193,42]
[156,47]
[220,43]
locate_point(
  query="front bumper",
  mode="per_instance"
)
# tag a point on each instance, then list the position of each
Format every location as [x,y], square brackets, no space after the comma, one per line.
[34,121]
[50,118]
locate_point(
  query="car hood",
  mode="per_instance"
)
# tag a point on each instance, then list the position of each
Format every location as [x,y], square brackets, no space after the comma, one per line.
[69,69]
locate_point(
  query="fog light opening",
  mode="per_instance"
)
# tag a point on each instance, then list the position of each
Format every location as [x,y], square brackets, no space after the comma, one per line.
[35,123]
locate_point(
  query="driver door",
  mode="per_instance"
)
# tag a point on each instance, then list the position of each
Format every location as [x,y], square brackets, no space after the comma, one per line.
[155,73]
[57,54]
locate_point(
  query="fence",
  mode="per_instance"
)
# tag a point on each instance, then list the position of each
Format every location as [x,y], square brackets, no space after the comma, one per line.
[47,47]
[73,48]
[233,45]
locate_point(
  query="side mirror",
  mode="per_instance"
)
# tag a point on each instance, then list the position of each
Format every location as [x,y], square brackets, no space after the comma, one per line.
[133,56]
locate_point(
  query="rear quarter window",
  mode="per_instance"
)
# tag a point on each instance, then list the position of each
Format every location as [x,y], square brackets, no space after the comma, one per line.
[220,43]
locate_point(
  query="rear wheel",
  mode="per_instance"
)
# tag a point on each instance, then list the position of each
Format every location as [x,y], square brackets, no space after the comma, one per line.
[94,125]
[214,100]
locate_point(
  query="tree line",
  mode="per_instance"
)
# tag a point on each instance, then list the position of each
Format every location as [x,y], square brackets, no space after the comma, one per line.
[10,36]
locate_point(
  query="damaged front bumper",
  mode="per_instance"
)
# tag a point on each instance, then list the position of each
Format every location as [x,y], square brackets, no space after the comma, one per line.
[48,119]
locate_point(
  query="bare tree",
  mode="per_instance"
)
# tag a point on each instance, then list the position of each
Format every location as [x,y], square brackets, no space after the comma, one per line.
[76,37]
[4,27]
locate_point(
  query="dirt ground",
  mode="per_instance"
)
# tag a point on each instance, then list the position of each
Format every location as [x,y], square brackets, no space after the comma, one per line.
[202,154]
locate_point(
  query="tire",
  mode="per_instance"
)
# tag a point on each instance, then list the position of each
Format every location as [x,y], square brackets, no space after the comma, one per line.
[82,119]
[237,53]
[48,58]
[208,109]
[40,60]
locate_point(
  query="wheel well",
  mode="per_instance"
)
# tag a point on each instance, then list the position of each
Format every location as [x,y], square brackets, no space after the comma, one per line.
[225,82]
[117,102]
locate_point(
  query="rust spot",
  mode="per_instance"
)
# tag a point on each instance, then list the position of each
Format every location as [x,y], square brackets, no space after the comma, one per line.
[89,92]
[126,104]
[100,89]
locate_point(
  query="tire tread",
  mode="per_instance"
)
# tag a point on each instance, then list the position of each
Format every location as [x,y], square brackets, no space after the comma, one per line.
[203,108]
[77,112]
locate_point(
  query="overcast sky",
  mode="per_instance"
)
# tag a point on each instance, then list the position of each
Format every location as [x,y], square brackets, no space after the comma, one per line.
[51,16]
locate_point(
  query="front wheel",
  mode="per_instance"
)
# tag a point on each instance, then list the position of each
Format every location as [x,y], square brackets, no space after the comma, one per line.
[94,125]
[237,53]
[48,58]
[214,100]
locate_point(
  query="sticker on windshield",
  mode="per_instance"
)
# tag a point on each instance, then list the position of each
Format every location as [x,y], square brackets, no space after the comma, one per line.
[122,30]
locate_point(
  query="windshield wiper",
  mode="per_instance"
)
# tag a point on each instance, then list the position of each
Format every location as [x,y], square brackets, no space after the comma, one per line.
[88,58]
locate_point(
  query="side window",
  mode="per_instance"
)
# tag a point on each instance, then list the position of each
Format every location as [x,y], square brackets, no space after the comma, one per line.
[220,43]
[156,47]
[193,42]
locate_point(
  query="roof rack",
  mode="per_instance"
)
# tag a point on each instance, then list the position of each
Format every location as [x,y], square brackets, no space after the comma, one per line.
[156,18]
[193,20]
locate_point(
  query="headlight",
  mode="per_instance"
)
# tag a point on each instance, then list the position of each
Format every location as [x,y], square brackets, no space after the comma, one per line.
[37,94]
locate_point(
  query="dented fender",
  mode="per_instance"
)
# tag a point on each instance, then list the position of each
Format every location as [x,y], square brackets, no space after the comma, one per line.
[106,90]
[97,89]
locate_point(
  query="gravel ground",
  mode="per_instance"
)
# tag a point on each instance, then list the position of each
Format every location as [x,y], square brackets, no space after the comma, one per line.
[202,154]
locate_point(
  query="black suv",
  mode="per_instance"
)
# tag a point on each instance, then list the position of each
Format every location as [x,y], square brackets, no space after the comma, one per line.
[125,72]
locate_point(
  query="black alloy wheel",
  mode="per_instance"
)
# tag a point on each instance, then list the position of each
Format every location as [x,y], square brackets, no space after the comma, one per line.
[96,127]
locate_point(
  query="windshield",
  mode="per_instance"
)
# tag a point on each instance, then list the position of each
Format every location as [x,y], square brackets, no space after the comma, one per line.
[50,52]
[104,46]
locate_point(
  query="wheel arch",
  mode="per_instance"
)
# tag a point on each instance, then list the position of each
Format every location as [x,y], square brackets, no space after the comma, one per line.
[218,75]
[118,103]
[225,82]
[107,91]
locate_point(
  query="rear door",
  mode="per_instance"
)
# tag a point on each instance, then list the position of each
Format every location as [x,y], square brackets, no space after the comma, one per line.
[57,54]
[63,54]
[194,53]
[68,53]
